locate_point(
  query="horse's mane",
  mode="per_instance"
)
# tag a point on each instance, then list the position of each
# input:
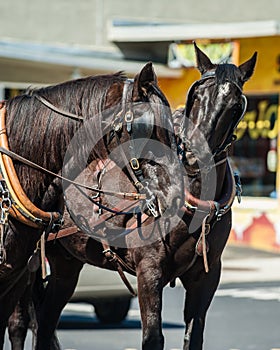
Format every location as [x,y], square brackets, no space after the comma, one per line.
[75,91]
[33,126]
[84,96]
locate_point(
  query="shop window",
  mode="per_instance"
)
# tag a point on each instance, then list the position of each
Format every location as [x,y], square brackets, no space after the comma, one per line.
[255,153]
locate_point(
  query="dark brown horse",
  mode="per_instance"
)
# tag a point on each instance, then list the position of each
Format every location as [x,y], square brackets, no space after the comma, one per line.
[189,247]
[100,114]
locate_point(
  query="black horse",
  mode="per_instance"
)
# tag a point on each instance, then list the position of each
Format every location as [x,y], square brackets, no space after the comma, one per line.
[41,125]
[205,128]
[188,246]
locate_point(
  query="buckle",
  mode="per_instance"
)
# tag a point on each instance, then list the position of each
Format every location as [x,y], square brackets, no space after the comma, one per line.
[134,163]
[139,185]
[109,254]
[128,117]
[152,208]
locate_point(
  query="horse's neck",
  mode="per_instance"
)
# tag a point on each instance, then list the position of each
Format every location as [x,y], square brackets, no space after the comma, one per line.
[208,186]
[220,174]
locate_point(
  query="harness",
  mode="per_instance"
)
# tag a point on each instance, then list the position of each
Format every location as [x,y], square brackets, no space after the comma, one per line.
[14,201]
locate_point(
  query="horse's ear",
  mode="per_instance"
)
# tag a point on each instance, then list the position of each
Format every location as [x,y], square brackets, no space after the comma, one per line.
[247,68]
[143,81]
[203,62]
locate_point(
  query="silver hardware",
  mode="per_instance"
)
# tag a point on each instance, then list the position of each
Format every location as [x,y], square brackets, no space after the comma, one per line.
[151,206]
[128,119]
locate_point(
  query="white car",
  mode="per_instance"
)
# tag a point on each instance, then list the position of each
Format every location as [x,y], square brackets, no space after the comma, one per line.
[106,291]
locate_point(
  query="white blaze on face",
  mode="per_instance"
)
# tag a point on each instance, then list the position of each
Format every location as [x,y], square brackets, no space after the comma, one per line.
[224,89]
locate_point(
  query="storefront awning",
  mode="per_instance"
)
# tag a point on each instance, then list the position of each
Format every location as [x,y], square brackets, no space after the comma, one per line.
[151,40]
[32,62]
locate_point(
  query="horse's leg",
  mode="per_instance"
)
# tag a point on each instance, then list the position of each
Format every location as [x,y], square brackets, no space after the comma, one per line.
[19,321]
[199,294]
[8,301]
[61,284]
[150,302]
[2,334]
[24,317]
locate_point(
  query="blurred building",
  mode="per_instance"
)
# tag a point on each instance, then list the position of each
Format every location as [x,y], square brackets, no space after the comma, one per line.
[43,42]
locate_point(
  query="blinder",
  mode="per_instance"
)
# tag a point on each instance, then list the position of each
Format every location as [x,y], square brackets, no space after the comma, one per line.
[140,127]
[140,130]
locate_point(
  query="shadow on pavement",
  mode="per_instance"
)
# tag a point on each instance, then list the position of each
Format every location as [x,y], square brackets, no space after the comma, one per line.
[88,322]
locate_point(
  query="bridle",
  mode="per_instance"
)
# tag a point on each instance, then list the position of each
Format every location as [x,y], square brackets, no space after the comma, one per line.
[137,128]
[184,145]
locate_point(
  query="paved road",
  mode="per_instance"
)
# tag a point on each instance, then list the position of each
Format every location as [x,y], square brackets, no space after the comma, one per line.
[242,264]
[244,315]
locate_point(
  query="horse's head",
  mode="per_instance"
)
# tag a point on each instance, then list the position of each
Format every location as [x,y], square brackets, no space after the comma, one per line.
[215,105]
[140,140]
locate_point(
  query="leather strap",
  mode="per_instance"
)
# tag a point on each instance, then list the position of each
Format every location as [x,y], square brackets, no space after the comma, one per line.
[126,195]
[58,110]
[68,231]
[221,206]
[114,258]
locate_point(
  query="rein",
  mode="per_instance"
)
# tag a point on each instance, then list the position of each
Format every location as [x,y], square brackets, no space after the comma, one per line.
[22,209]
[122,195]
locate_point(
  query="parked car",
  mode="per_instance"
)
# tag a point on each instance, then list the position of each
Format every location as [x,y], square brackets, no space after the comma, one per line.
[106,291]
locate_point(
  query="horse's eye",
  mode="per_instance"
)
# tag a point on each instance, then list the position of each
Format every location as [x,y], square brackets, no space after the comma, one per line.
[236,109]
[194,97]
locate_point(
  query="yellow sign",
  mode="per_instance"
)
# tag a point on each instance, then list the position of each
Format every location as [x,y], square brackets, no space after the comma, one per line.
[184,54]
[261,121]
